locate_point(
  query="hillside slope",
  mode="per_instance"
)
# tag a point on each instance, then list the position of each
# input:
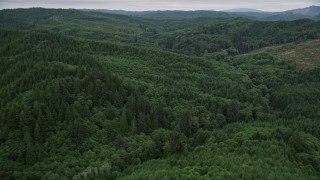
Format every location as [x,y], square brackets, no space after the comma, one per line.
[88,25]
[294,14]
[305,54]
[196,36]
[74,106]
[247,151]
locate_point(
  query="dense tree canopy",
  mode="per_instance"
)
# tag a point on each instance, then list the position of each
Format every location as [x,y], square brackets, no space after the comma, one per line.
[149,100]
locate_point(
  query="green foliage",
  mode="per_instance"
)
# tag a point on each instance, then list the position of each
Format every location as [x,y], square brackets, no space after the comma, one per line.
[74,106]
[254,148]
[234,36]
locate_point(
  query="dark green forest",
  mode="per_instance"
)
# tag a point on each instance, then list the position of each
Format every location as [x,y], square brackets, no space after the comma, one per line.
[90,95]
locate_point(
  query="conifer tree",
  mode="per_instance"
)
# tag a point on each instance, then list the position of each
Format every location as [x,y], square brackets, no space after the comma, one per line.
[123,121]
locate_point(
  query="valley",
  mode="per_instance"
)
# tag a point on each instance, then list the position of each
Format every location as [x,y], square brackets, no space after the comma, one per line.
[92,95]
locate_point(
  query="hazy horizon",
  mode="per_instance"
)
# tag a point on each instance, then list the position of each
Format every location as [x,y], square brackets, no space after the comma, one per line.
[151,5]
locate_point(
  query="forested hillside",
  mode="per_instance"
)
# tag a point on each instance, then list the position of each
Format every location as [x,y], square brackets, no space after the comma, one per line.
[310,12]
[196,36]
[87,95]
[305,54]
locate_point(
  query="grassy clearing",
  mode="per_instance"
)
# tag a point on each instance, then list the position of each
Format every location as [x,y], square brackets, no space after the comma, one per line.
[305,54]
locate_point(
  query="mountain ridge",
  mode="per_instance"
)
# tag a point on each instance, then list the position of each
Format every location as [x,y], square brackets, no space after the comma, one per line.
[243,10]
[92,95]
[308,12]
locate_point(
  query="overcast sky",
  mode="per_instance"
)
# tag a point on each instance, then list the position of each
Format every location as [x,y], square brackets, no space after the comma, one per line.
[140,5]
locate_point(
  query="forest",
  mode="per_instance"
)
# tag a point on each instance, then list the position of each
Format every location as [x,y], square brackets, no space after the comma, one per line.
[92,95]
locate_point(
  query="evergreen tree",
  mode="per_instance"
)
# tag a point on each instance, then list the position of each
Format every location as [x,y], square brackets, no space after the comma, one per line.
[134,128]
[29,151]
[185,122]
[123,121]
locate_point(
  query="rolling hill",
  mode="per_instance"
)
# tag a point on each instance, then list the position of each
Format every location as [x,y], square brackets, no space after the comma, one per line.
[295,14]
[90,95]
[196,36]
[305,54]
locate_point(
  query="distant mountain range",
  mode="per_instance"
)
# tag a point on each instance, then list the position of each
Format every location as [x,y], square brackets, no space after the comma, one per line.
[312,12]
[244,10]
[309,11]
